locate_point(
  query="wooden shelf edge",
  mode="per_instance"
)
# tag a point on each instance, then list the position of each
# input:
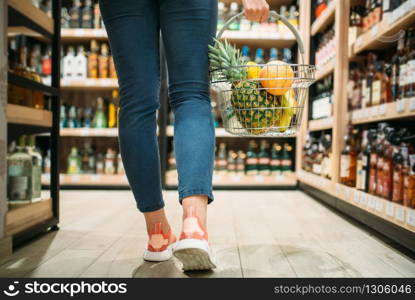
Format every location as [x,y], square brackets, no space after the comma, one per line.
[24,216]
[321,124]
[389,111]
[18,114]
[89,83]
[325,70]
[316,181]
[325,18]
[26,8]
[89,132]
[88,180]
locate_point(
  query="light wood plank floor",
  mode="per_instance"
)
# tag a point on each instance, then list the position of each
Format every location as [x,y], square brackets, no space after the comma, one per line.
[254,234]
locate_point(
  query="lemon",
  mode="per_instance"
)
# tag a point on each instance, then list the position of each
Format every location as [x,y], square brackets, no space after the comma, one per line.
[253,72]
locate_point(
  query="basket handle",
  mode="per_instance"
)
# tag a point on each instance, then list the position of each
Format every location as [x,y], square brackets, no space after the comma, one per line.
[274,14]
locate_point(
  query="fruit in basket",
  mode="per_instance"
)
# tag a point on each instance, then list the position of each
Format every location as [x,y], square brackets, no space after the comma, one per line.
[253,70]
[289,105]
[254,107]
[277,77]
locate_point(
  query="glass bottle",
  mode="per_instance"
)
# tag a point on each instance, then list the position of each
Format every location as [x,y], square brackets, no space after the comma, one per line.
[259,56]
[221,15]
[81,65]
[264,159]
[87,15]
[221,159]
[47,65]
[410,80]
[103,61]
[112,109]
[69,64]
[286,159]
[372,136]
[251,164]
[398,175]
[293,16]
[47,163]
[36,167]
[387,170]
[100,119]
[380,148]
[120,165]
[403,69]
[233,10]
[19,174]
[109,162]
[100,164]
[231,162]
[97,16]
[72,117]
[76,15]
[245,54]
[93,60]
[348,161]
[362,165]
[369,79]
[276,159]
[74,162]
[273,54]
[396,63]
[240,162]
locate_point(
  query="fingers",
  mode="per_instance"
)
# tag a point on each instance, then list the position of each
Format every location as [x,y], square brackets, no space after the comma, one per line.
[256,10]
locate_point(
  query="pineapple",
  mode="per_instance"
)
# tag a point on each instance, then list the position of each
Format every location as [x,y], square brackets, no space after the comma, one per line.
[251,103]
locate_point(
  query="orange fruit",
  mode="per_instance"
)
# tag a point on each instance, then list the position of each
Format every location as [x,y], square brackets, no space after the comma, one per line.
[277,77]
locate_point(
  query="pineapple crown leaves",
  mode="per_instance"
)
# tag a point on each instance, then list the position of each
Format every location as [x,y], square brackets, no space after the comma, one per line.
[227,59]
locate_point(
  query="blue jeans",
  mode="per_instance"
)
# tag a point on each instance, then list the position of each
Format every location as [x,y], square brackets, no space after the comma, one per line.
[187,27]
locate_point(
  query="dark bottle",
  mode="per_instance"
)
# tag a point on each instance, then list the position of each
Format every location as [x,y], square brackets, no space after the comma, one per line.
[87,15]
[231,163]
[221,159]
[348,161]
[396,63]
[264,159]
[380,148]
[372,137]
[410,78]
[369,78]
[398,169]
[362,166]
[276,159]
[251,166]
[387,169]
[240,162]
[76,15]
[286,158]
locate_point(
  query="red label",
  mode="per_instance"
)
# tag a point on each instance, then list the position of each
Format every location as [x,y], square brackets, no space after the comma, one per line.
[251,161]
[47,66]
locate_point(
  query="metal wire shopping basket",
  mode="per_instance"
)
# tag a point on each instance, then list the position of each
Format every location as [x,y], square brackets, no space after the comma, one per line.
[259,100]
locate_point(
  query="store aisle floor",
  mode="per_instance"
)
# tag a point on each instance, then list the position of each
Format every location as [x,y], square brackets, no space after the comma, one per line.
[254,234]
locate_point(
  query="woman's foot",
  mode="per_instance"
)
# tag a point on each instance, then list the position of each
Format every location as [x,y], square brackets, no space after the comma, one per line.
[160,244]
[193,248]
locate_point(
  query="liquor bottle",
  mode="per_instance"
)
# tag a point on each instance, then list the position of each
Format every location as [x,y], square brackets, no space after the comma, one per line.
[240,162]
[80,117]
[112,110]
[76,14]
[286,159]
[318,157]
[403,70]
[410,79]
[19,174]
[348,161]
[35,64]
[92,162]
[65,18]
[396,63]
[97,16]
[398,169]
[409,181]
[221,15]
[109,162]
[120,165]
[287,55]
[84,160]
[100,164]
[326,168]
[172,158]
[46,163]
[113,71]
[387,169]
[221,159]
[380,148]
[87,117]
[103,61]
[245,54]
[36,167]
[362,165]
[320,7]
[74,162]
[276,159]
[72,117]
[372,137]
[369,79]
[63,121]
[93,60]
[273,54]
[231,161]
[47,66]
[100,120]
[293,16]
[264,159]
[251,164]
[87,15]
[69,64]
[81,65]
[233,10]
[259,56]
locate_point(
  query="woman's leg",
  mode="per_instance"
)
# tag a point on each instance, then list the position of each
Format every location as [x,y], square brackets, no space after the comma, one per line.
[133,31]
[188,26]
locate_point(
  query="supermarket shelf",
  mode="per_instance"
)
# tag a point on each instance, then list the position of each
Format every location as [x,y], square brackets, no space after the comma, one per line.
[26,14]
[325,19]
[89,84]
[81,34]
[219,132]
[226,180]
[88,180]
[316,181]
[272,3]
[13,31]
[23,216]
[18,114]
[321,124]
[89,132]
[389,111]
[325,70]
[263,39]
[386,32]
[31,84]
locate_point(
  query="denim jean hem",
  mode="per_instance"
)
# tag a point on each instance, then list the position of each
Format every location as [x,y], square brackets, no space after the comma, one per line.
[203,192]
[151,208]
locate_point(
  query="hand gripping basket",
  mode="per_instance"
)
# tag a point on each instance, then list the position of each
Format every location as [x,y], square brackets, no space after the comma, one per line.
[269,104]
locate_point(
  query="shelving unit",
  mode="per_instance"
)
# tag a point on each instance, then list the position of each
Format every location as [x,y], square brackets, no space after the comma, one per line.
[391,219]
[90,132]
[89,84]
[325,70]
[326,18]
[86,180]
[25,220]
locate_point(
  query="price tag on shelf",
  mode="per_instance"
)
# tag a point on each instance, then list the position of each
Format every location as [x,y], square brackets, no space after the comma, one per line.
[356,197]
[363,199]
[412,104]
[84,132]
[389,209]
[79,32]
[372,202]
[95,178]
[400,213]
[338,189]
[359,41]
[365,113]
[375,30]
[382,109]
[379,204]
[236,178]
[217,178]
[90,82]
[75,178]
[410,217]
[259,179]
[347,192]
[400,105]
[374,111]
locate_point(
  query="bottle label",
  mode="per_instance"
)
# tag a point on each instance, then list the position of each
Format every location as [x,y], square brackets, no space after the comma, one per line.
[376,92]
[317,169]
[18,188]
[264,161]
[275,162]
[372,181]
[411,72]
[359,173]
[15,169]
[387,179]
[252,161]
[36,181]
[344,166]
[402,75]
[221,163]
[412,164]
